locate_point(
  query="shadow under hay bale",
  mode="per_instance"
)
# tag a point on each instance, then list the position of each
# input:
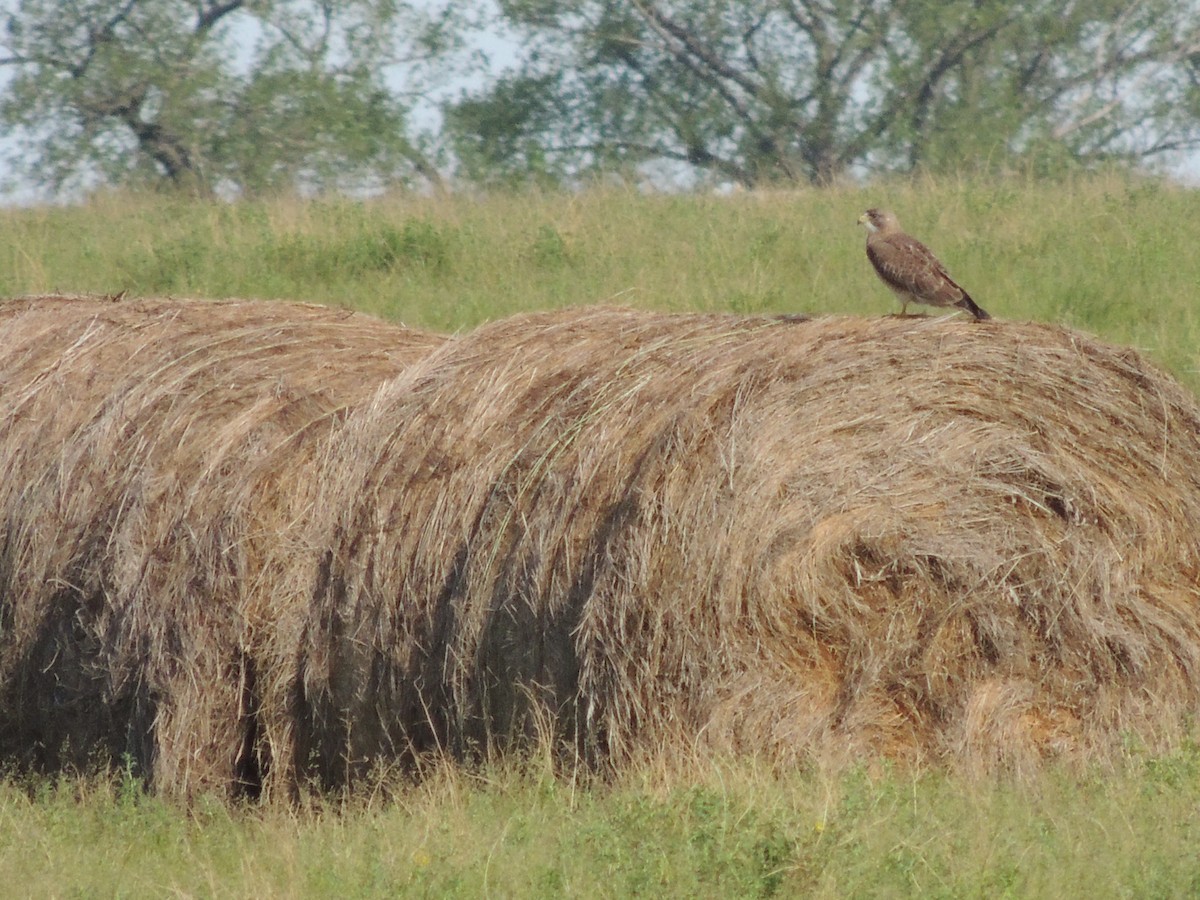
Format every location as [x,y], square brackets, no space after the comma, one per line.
[912,538]
[151,451]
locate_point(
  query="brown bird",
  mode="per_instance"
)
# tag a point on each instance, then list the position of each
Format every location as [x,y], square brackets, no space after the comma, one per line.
[909,268]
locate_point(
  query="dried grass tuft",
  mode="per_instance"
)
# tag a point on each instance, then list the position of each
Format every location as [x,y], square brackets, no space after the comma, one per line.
[151,451]
[922,539]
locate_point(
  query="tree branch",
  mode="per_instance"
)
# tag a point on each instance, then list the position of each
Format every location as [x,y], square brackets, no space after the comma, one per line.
[97,37]
[207,18]
[952,56]
[685,39]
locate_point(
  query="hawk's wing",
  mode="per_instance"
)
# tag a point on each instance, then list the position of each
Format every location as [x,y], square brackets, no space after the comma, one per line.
[908,266]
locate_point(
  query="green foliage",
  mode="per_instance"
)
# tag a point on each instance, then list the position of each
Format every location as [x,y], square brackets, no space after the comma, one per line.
[212,96]
[498,138]
[759,92]
[714,830]
[253,97]
[386,249]
[549,250]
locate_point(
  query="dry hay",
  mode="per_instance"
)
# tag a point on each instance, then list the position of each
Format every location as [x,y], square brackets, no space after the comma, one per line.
[921,539]
[225,547]
[151,450]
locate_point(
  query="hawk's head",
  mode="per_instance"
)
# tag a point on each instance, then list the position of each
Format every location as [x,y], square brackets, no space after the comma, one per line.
[879,220]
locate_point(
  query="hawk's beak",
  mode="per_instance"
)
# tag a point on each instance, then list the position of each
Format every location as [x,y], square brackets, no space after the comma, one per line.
[862,220]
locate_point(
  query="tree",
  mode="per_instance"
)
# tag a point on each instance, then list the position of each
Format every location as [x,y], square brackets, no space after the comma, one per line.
[233,96]
[810,90]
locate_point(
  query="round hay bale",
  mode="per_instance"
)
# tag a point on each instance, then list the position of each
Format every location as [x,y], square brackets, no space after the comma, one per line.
[912,538]
[152,450]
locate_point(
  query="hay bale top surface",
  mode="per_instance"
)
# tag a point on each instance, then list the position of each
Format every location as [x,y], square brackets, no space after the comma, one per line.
[906,390]
[311,347]
[185,381]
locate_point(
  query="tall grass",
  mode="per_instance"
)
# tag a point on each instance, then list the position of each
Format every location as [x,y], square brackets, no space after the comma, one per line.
[1110,254]
[721,831]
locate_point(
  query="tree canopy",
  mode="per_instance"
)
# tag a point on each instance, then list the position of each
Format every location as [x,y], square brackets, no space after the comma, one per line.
[810,90]
[233,95]
[243,96]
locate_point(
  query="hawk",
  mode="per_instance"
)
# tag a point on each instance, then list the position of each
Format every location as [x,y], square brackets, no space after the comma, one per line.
[909,268]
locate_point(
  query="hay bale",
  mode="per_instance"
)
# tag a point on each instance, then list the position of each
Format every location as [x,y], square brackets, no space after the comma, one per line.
[913,538]
[152,450]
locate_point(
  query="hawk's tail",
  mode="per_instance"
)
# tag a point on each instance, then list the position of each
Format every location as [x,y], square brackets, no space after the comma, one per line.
[972,307]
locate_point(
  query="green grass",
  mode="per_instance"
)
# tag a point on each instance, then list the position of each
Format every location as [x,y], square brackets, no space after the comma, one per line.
[716,832]
[1108,254]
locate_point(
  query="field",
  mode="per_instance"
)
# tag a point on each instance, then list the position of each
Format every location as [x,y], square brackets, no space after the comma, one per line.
[1106,254]
[712,833]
